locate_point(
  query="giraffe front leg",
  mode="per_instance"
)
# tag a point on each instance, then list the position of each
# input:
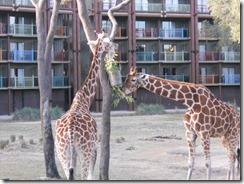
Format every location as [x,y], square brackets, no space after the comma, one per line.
[205,140]
[191,140]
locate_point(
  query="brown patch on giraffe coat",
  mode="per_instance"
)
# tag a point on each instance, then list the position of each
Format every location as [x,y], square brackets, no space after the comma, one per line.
[165,93]
[151,88]
[173,94]
[197,108]
[158,91]
[205,110]
[157,84]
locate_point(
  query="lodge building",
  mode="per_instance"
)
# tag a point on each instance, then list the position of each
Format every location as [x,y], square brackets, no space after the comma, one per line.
[173,39]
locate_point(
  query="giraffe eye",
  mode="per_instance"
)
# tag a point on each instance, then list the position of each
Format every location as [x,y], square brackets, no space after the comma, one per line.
[133,80]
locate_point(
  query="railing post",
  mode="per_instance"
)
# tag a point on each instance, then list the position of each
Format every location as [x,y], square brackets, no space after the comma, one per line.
[15,82]
[33,81]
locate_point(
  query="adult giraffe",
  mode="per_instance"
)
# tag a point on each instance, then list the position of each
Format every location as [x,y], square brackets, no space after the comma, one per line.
[76,130]
[206,116]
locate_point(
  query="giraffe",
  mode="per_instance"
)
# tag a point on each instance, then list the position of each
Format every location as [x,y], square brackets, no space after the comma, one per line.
[206,116]
[76,130]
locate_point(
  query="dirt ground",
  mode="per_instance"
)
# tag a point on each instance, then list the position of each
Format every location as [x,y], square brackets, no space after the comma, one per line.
[149,147]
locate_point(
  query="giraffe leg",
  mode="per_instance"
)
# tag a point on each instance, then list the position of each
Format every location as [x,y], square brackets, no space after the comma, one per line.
[205,140]
[91,174]
[191,140]
[232,156]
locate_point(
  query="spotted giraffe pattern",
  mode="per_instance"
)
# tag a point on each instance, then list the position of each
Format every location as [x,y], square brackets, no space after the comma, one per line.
[76,130]
[206,116]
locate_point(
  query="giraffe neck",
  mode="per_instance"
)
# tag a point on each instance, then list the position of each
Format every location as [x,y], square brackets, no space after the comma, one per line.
[86,93]
[185,93]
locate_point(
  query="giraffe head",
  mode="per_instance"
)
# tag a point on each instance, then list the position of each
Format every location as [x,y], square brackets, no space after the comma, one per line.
[104,42]
[133,81]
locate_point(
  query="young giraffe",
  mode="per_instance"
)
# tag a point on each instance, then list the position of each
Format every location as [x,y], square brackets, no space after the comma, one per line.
[206,116]
[76,130]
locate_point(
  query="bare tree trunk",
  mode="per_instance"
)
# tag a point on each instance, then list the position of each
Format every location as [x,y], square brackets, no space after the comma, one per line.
[45,82]
[106,87]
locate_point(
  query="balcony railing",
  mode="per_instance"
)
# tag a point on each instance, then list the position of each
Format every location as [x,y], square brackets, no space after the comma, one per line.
[184,78]
[108,5]
[219,56]
[230,78]
[23,29]
[31,55]
[203,9]
[174,33]
[174,56]
[225,79]
[146,32]
[6,2]
[29,29]
[122,31]
[146,56]
[32,82]
[3,28]
[163,56]
[3,82]
[177,8]
[23,55]
[208,79]
[153,7]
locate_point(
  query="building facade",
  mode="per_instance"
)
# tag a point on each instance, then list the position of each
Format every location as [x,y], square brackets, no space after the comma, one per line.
[173,39]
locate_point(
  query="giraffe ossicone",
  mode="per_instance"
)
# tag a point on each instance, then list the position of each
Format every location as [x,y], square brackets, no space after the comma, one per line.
[205,117]
[76,130]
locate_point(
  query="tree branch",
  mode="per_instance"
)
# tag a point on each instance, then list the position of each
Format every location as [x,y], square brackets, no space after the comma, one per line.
[112,18]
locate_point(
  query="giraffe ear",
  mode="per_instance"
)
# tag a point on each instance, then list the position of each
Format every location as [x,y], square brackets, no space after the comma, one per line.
[132,71]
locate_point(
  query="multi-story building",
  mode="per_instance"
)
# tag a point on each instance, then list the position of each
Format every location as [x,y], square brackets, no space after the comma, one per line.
[165,38]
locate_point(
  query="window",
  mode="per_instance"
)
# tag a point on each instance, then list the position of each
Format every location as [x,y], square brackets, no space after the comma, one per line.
[228,75]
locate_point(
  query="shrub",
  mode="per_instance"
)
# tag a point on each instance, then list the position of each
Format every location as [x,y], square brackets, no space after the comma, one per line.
[12,138]
[3,143]
[56,112]
[150,109]
[32,114]
[27,114]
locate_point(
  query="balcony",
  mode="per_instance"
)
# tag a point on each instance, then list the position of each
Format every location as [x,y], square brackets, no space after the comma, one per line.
[174,33]
[32,82]
[230,56]
[61,31]
[152,7]
[31,55]
[174,56]
[6,2]
[3,82]
[225,79]
[230,78]
[208,79]
[22,29]
[183,78]
[122,31]
[107,5]
[23,55]
[146,56]
[3,28]
[203,9]
[177,8]
[146,32]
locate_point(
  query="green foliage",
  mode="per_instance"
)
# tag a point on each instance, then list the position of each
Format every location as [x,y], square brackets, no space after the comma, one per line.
[3,143]
[227,15]
[56,112]
[150,109]
[118,95]
[32,114]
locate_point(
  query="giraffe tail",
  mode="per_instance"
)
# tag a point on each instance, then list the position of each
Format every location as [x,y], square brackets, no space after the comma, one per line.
[238,158]
[71,174]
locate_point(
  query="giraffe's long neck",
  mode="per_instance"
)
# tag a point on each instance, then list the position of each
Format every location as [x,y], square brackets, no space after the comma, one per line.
[86,93]
[182,92]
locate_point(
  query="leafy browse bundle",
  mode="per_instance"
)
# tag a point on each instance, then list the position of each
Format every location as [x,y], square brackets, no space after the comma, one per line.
[111,64]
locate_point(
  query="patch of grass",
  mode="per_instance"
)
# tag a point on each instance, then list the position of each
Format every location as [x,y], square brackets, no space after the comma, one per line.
[32,114]
[150,109]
